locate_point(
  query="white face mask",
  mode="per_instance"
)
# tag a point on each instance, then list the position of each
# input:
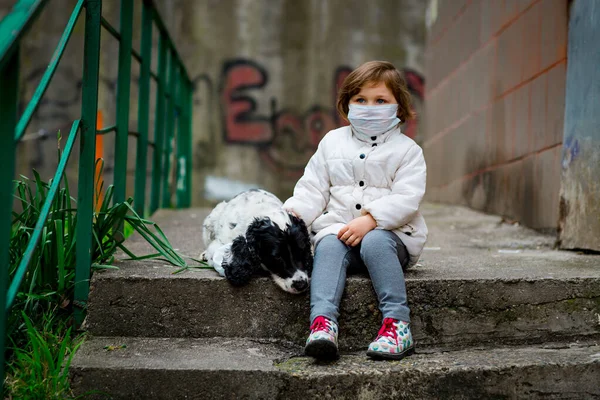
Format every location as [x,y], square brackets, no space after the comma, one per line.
[373,120]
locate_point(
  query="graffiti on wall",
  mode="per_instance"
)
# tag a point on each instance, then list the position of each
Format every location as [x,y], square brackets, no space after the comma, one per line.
[284,138]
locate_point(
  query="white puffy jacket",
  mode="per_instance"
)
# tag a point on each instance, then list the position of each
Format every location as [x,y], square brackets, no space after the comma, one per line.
[349,176]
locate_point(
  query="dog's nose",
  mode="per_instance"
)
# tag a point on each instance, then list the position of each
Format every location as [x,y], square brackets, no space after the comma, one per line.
[300,285]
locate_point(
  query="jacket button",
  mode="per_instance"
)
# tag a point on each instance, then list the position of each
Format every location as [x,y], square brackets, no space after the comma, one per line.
[374,144]
[326,212]
[358,206]
[361,183]
[362,156]
[373,137]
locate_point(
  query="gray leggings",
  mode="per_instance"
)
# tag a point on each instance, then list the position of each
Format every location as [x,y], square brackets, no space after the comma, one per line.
[384,256]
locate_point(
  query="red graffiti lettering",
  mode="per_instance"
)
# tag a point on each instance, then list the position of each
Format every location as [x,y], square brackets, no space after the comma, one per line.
[241,124]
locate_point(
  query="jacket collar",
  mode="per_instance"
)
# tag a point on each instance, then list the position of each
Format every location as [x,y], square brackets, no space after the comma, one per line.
[375,139]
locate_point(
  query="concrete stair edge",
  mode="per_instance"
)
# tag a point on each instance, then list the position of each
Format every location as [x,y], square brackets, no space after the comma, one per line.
[220,368]
[452,312]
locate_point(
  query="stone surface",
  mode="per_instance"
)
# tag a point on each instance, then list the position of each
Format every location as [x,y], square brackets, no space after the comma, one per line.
[227,369]
[481,281]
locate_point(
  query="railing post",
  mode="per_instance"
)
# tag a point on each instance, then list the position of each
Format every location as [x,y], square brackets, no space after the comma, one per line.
[159,124]
[123,91]
[184,145]
[143,111]
[170,128]
[8,123]
[189,126]
[87,147]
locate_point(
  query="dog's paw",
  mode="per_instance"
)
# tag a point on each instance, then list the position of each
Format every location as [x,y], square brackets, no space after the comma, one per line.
[203,256]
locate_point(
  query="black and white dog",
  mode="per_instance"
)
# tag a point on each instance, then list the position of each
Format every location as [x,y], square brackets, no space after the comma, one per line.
[252,232]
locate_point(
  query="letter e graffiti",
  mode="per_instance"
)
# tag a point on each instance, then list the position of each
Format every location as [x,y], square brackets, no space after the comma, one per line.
[241,123]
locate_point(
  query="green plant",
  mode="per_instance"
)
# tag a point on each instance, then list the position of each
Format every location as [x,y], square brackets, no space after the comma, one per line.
[50,276]
[39,369]
[46,291]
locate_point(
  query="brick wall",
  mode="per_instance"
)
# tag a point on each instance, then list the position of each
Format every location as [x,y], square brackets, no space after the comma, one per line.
[494,106]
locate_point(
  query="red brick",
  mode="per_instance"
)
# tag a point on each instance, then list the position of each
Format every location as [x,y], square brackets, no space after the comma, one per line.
[478,141]
[481,76]
[538,113]
[435,116]
[490,141]
[531,42]
[429,117]
[446,13]
[508,138]
[457,96]
[548,177]
[487,29]
[455,150]
[553,31]
[529,193]
[508,190]
[522,121]
[463,151]
[511,9]
[431,68]
[434,158]
[556,104]
[497,10]
[443,117]
[523,4]
[496,143]
[469,25]
[461,90]
[509,60]
[502,130]
[453,52]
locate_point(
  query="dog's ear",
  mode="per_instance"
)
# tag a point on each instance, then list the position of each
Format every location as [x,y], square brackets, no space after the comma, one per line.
[243,262]
[299,234]
[262,233]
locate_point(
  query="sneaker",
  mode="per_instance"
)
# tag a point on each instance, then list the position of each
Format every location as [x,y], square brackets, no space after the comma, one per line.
[322,341]
[394,341]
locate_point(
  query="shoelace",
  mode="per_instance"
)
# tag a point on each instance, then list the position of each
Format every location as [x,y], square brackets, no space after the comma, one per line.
[320,324]
[388,329]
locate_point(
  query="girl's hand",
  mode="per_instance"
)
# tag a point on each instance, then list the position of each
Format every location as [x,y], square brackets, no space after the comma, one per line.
[290,211]
[353,233]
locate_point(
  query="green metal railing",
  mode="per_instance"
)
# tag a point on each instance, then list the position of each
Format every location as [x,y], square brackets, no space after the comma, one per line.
[173,110]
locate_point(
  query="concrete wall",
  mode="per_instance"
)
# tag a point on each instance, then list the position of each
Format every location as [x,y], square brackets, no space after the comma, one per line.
[265,73]
[495,101]
[580,191]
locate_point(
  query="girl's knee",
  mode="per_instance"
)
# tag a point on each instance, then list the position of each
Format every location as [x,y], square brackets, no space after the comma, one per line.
[377,237]
[376,241]
[330,243]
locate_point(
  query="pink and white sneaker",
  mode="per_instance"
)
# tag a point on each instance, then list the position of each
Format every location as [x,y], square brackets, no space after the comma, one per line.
[394,341]
[322,343]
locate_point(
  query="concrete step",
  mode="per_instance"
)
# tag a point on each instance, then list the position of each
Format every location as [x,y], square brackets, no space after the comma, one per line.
[179,368]
[152,302]
[480,282]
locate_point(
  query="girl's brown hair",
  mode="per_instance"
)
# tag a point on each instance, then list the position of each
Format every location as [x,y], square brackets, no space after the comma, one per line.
[373,72]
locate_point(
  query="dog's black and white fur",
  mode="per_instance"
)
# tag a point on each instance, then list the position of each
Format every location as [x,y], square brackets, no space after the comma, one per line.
[252,232]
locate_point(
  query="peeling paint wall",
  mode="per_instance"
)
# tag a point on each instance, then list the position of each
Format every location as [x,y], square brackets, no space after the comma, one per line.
[580,190]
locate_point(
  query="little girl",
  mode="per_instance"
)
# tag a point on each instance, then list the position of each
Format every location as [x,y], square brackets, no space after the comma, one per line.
[360,195]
